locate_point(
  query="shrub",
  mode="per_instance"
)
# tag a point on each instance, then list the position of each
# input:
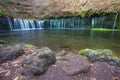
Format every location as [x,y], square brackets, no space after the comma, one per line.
[2,11]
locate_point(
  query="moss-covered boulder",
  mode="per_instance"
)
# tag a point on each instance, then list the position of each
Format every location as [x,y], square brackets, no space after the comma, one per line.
[101,55]
[7,53]
[38,62]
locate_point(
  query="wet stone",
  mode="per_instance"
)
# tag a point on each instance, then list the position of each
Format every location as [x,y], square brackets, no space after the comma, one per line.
[75,64]
[39,61]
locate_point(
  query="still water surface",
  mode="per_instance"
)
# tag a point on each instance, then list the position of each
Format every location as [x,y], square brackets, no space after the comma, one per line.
[72,40]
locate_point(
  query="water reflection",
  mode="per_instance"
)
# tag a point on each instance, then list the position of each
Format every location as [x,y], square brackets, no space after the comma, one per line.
[65,39]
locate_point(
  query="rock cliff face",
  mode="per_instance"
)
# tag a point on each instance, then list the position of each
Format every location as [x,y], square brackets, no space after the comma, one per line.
[57,8]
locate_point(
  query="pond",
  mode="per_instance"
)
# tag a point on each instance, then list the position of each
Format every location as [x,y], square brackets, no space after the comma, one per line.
[72,40]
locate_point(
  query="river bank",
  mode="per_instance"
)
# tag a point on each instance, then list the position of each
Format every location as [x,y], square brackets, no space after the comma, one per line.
[68,66]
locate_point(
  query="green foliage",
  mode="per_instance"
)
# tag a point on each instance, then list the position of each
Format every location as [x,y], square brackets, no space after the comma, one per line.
[84,12]
[95,11]
[45,16]
[113,9]
[42,17]
[57,16]
[2,11]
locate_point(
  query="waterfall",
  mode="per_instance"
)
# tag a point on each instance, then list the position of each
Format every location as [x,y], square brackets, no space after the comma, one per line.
[51,24]
[106,21]
[40,24]
[32,24]
[62,23]
[115,22]
[9,22]
[15,24]
[93,22]
[24,24]
[68,23]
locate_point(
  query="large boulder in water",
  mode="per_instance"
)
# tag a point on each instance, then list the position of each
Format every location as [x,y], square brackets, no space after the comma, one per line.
[38,62]
[103,55]
[10,53]
[75,64]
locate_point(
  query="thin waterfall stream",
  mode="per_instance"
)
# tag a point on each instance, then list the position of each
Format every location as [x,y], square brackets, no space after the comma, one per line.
[115,22]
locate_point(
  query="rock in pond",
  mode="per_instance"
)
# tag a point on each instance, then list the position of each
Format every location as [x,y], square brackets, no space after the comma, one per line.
[75,64]
[38,62]
[103,55]
[10,53]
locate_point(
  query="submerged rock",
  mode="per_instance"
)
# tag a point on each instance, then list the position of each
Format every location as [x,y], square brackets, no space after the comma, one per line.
[39,61]
[104,55]
[10,53]
[75,64]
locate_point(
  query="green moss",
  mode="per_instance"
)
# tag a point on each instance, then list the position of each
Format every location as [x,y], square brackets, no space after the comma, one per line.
[44,15]
[21,51]
[2,42]
[29,46]
[112,9]
[30,19]
[83,52]
[104,29]
[84,12]
[98,48]
[2,11]
[99,53]
[57,17]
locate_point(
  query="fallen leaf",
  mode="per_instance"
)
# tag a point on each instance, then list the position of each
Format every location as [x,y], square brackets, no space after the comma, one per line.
[16,78]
